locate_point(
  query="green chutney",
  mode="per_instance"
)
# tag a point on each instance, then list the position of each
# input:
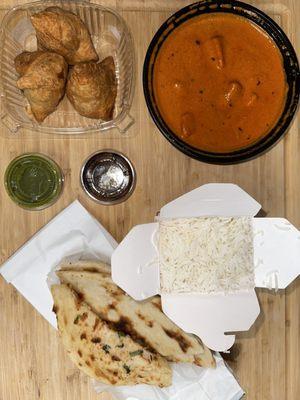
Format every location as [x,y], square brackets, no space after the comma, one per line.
[33,181]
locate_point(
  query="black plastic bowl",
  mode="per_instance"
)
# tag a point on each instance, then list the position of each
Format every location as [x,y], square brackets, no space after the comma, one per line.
[290,64]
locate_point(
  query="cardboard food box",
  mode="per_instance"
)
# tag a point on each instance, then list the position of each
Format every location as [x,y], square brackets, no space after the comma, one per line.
[135,264]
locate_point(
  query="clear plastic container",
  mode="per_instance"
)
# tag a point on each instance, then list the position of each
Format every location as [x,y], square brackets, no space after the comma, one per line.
[110,36]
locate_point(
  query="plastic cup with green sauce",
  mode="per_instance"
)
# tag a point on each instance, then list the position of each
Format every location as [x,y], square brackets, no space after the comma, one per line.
[33,181]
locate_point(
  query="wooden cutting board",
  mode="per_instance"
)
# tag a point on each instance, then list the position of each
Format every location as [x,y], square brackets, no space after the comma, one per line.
[266,359]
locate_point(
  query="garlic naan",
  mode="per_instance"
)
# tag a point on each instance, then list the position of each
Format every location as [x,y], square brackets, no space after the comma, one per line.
[102,352]
[144,321]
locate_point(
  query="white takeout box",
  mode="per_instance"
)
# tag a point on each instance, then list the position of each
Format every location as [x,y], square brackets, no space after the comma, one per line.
[135,264]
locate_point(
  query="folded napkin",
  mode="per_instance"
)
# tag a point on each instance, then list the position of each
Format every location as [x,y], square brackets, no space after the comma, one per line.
[72,231]
[75,233]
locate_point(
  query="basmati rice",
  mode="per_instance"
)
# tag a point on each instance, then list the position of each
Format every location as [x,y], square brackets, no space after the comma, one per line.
[206,255]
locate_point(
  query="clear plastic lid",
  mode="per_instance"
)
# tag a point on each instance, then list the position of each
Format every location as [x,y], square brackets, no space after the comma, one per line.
[33,181]
[111,37]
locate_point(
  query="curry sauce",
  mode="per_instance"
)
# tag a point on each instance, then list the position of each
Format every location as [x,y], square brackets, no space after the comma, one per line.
[219,82]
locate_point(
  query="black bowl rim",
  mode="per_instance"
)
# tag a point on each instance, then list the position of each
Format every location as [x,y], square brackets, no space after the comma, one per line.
[292,73]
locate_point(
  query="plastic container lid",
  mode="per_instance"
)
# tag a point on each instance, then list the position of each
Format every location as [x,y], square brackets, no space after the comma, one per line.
[33,181]
[111,37]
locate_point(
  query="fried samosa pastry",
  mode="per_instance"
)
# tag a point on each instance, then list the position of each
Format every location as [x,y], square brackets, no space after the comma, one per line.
[42,78]
[63,32]
[92,89]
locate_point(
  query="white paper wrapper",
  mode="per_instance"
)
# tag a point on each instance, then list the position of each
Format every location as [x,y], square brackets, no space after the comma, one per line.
[189,383]
[74,234]
[73,231]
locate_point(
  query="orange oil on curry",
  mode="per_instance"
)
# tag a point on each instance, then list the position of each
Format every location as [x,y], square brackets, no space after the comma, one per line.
[219,82]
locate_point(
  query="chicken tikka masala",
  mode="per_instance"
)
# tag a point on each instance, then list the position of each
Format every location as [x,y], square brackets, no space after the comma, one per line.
[219,82]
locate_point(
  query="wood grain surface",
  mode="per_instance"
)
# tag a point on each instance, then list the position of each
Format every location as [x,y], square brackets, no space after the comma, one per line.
[266,359]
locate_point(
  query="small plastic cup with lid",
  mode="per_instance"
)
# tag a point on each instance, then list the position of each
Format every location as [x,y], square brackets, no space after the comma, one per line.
[33,181]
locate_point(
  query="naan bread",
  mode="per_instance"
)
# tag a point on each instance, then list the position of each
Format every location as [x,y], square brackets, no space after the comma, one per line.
[86,265]
[102,352]
[144,321]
